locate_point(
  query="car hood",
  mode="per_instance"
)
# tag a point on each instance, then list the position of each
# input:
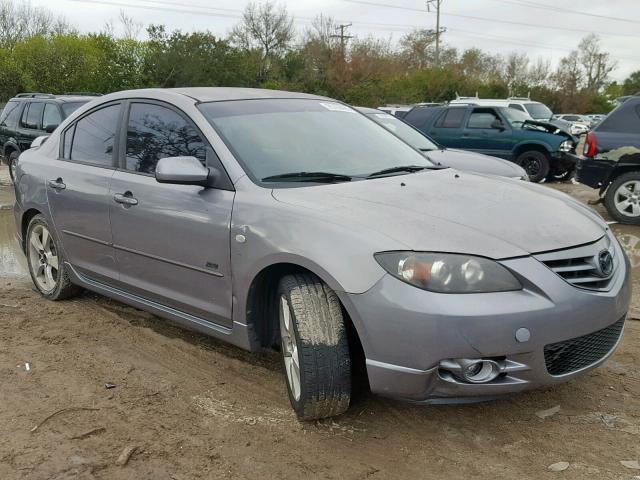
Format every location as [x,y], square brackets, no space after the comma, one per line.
[452,211]
[475,162]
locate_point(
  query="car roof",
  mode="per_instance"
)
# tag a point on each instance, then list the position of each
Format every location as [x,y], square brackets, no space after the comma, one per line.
[56,98]
[368,111]
[216,94]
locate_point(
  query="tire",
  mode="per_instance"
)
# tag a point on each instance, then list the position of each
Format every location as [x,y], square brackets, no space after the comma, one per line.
[626,186]
[535,163]
[314,333]
[43,255]
[11,162]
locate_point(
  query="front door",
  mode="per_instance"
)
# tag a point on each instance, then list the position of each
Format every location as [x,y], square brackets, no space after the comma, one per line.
[78,192]
[482,135]
[171,241]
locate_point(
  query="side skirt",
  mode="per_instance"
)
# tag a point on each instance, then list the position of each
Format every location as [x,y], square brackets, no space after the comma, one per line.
[237,335]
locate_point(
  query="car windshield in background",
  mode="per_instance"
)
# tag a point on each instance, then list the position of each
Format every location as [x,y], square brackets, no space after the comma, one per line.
[69,108]
[538,111]
[515,117]
[404,131]
[276,137]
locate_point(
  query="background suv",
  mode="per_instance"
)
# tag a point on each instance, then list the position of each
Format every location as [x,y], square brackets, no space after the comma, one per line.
[31,115]
[611,161]
[503,132]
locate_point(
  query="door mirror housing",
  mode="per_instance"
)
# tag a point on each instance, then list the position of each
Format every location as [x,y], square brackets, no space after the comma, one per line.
[39,141]
[185,171]
[50,128]
[497,124]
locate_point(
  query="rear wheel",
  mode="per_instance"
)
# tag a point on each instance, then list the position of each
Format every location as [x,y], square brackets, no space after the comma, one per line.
[535,163]
[314,346]
[46,262]
[13,163]
[622,199]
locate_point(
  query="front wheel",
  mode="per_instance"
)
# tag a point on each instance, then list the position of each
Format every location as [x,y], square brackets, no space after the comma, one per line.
[535,163]
[622,199]
[46,262]
[314,346]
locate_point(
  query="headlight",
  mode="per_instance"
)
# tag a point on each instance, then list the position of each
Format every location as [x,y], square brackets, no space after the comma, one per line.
[448,273]
[566,146]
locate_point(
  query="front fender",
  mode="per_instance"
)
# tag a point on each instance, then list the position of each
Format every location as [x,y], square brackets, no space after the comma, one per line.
[523,145]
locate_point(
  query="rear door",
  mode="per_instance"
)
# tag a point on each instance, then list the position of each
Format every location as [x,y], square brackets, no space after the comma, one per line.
[172,245]
[480,136]
[78,191]
[30,126]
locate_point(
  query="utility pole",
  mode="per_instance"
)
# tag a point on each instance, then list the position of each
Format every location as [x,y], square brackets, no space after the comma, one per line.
[343,37]
[436,4]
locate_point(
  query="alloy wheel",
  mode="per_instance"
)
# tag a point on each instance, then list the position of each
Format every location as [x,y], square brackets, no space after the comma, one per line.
[627,198]
[43,257]
[289,348]
[531,166]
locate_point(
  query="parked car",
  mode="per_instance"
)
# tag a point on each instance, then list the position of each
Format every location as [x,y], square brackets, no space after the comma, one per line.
[265,218]
[460,159]
[610,161]
[30,115]
[539,147]
[579,124]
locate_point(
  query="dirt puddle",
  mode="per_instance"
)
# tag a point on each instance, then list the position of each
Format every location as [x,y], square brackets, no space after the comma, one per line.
[12,261]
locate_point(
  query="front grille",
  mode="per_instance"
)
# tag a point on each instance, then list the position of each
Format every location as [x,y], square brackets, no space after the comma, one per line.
[580,266]
[571,355]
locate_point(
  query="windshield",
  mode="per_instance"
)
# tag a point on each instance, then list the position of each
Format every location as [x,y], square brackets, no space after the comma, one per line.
[69,108]
[538,111]
[515,117]
[272,137]
[404,131]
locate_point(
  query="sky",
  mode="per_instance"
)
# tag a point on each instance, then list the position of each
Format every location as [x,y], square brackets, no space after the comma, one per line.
[540,28]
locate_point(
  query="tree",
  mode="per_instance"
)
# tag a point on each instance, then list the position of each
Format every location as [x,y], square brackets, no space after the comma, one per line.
[417,48]
[266,29]
[631,85]
[23,21]
[596,64]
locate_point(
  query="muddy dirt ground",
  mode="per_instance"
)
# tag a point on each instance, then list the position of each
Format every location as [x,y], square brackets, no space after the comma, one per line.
[195,408]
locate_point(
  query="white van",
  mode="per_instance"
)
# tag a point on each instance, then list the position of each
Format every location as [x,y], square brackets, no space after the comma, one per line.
[536,110]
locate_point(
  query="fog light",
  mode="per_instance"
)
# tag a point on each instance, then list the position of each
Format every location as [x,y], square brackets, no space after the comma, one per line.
[481,371]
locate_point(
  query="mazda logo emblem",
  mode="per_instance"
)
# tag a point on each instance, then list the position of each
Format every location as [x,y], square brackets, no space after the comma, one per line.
[605,263]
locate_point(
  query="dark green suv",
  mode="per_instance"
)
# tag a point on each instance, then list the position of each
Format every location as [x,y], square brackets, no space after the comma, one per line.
[539,147]
[30,115]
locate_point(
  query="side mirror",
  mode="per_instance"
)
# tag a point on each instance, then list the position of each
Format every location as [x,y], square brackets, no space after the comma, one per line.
[39,141]
[50,128]
[185,171]
[497,124]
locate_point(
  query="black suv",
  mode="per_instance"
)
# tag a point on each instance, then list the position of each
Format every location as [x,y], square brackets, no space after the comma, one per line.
[610,161]
[30,115]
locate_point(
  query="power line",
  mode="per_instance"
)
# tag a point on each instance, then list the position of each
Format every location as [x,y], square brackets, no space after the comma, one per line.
[493,20]
[544,6]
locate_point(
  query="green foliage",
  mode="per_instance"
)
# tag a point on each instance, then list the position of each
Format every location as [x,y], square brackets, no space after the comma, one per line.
[631,85]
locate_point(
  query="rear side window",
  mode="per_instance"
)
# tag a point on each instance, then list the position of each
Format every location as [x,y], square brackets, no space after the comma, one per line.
[10,114]
[626,119]
[94,137]
[156,132]
[452,118]
[32,115]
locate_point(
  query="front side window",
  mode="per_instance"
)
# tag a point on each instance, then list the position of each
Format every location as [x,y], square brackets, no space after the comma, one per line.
[94,137]
[32,115]
[156,132]
[482,118]
[273,137]
[51,116]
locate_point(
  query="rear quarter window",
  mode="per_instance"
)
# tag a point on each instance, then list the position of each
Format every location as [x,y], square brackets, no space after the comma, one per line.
[625,119]
[418,117]
[10,114]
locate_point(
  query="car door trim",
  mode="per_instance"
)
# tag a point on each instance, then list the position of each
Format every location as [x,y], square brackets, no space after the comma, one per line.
[86,237]
[166,260]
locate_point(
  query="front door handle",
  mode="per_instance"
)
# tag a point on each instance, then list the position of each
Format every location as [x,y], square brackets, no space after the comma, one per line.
[56,184]
[125,198]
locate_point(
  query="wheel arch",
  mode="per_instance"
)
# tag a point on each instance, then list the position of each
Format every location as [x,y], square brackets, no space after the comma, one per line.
[527,146]
[24,225]
[10,146]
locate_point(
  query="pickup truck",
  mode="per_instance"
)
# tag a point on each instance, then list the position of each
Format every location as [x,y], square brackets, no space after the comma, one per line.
[539,147]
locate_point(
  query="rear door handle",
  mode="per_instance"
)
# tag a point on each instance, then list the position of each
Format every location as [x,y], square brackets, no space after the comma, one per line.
[125,198]
[56,184]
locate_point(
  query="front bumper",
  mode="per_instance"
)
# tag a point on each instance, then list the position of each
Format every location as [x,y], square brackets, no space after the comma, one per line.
[406,332]
[564,162]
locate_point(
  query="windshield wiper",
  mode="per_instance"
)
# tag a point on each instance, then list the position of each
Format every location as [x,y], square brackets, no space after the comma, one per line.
[403,168]
[308,177]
